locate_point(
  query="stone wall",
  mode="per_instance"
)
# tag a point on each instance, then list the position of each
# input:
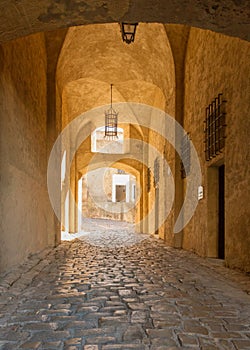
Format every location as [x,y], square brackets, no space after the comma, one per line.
[25,222]
[219,64]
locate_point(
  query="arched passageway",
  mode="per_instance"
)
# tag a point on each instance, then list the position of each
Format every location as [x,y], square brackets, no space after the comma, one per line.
[141,293]
[82,89]
[170,66]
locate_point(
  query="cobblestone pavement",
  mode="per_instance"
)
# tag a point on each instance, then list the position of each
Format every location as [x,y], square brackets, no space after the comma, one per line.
[142,296]
[101,227]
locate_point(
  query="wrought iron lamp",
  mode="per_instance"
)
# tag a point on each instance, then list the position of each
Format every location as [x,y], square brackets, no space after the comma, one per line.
[128,32]
[111,120]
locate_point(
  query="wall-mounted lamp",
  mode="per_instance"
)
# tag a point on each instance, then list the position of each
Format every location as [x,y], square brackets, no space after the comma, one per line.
[128,32]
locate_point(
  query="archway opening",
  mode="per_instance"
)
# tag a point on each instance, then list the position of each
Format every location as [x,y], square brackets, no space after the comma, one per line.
[109,198]
[138,76]
[100,143]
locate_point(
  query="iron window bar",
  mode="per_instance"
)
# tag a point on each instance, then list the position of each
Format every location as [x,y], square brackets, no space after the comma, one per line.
[185,156]
[215,125]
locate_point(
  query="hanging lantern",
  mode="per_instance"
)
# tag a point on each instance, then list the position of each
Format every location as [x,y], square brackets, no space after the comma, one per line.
[111,120]
[128,32]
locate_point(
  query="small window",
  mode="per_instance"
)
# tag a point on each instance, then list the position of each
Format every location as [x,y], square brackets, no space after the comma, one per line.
[103,145]
[185,156]
[215,125]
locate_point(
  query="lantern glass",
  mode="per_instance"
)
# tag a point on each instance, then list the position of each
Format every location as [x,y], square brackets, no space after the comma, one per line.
[128,32]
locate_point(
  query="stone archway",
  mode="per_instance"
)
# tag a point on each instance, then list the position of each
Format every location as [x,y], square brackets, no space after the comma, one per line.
[138,75]
[96,197]
[30,96]
[230,17]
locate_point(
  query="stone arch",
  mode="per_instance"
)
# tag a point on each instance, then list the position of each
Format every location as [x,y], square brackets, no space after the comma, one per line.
[139,76]
[34,59]
[228,16]
[132,167]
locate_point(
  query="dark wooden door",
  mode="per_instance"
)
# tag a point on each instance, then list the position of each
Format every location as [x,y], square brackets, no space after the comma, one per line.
[221,228]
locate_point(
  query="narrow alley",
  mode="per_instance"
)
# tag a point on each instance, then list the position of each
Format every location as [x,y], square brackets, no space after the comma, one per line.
[111,289]
[136,111]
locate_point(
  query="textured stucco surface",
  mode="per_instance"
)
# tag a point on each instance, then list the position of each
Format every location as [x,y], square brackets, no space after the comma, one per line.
[96,52]
[23,161]
[215,64]
[178,38]
[23,17]
[35,103]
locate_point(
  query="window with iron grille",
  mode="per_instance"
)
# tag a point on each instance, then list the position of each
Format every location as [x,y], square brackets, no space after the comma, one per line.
[185,156]
[215,125]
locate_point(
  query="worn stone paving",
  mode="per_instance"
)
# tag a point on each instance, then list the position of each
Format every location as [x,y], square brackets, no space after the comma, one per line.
[142,296]
[109,229]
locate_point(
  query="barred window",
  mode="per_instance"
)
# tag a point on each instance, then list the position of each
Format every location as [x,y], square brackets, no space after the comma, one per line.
[185,155]
[215,125]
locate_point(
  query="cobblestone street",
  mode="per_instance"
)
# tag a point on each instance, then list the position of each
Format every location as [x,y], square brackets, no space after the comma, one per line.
[134,293]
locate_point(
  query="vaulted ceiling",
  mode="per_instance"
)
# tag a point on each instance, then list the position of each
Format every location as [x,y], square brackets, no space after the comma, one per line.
[94,56]
[23,17]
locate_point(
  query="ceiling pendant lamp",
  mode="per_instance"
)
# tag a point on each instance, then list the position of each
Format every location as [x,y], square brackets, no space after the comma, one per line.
[128,31]
[111,121]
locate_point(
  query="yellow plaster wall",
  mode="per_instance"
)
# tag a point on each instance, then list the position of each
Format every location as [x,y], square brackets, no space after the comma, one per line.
[25,222]
[214,64]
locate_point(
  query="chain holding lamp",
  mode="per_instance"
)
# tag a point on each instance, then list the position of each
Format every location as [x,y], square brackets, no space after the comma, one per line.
[111,121]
